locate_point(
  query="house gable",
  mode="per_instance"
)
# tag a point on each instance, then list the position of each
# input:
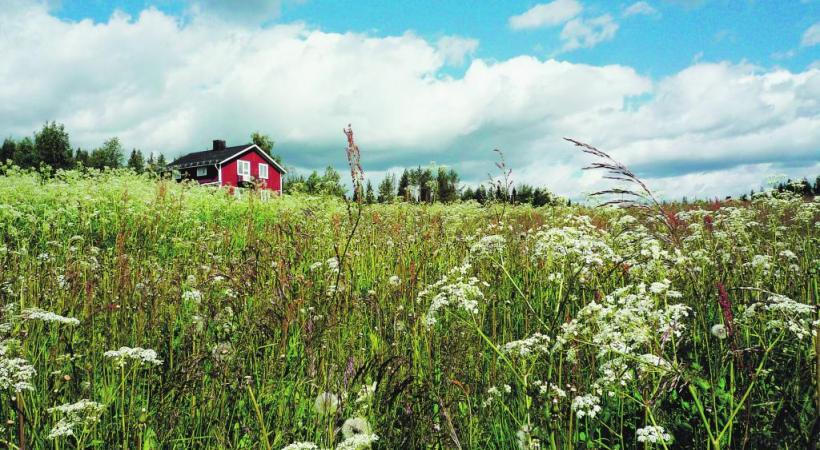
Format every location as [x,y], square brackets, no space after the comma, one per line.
[262,153]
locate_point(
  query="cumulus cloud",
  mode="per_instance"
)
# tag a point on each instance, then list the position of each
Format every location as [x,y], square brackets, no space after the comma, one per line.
[587,33]
[640,9]
[811,36]
[455,49]
[546,15]
[162,84]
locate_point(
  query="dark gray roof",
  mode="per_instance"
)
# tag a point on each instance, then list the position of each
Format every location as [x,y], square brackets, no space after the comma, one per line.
[207,157]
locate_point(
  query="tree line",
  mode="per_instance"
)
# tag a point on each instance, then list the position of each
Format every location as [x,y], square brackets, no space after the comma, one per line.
[801,187]
[51,148]
[420,185]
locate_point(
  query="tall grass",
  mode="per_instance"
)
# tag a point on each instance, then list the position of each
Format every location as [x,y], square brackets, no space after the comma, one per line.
[456,326]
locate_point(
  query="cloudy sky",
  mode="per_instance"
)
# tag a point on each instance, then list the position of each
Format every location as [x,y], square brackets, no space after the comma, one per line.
[702,98]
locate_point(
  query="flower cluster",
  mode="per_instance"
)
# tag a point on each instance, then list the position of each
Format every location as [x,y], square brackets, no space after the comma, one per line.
[653,434]
[586,406]
[780,313]
[454,289]
[138,354]
[582,249]
[83,413]
[47,316]
[537,343]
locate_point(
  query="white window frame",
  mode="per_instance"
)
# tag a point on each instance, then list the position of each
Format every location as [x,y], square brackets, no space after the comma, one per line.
[243,168]
[263,174]
[201,172]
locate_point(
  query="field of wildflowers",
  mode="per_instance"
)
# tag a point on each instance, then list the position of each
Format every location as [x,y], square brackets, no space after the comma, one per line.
[142,314]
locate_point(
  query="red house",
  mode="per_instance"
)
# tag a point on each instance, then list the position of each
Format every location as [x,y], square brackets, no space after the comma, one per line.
[242,165]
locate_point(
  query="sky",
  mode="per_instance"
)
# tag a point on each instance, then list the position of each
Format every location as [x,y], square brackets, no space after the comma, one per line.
[701,98]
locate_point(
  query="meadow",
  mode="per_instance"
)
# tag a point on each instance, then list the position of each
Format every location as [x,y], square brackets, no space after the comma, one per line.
[141,313]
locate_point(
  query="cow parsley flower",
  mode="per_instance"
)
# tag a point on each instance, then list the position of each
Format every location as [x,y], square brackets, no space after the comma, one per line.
[192,295]
[301,446]
[453,289]
[137,354]
[653,434]
[586,405]
[16,373]
[488,245]
[358,442]
[47,316]
[80,414]
[781,313]
[537,343]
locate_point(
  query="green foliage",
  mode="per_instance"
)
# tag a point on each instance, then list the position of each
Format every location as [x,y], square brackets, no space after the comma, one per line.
[25,154]
[110,155]
[52,146]
[136,161]
[445,326]
[7,150]
[266,143]
[387,189]
[329,183]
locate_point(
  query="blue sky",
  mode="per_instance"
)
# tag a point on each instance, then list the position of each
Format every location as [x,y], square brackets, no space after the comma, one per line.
[703,98]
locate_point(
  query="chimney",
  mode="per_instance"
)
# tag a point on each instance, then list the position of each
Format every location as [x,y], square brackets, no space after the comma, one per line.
[219,144]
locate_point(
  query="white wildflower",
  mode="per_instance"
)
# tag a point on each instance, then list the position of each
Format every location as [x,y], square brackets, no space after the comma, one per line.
[719,331]
[80,414]
[357,442]
[394,280]
[326,403]
[488,245]
[355,426]
[16,373]
[537,343]
[47,316]
[192,295]
[138,354]
[301,446]
[653,434]
[586,405]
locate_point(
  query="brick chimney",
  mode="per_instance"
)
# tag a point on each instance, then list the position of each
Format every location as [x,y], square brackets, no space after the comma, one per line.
[219,144]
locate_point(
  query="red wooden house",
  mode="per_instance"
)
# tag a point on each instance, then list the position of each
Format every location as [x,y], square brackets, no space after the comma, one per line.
[241,166]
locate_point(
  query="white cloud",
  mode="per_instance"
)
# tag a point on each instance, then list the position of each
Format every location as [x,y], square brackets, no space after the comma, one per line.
[165,85]
[640,9]
[587,33]
[455,49]
[546,15]
[811,36]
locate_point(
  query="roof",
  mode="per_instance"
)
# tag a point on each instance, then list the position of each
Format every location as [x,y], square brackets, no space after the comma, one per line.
[211,157]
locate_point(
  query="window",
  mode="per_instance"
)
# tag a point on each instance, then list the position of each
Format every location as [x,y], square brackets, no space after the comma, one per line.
[263,171]
[243,168]
[201,171]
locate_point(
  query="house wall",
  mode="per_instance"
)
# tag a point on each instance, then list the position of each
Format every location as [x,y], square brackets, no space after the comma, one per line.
[190,174]
[230,177]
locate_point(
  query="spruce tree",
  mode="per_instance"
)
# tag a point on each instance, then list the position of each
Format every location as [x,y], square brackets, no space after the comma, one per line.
[404,186]
[136,162]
